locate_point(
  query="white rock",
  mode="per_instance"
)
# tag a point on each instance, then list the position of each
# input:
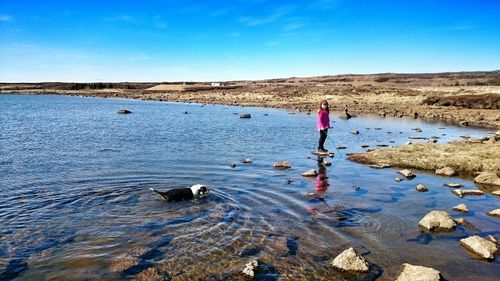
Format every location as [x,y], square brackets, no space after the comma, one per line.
[446,171]
[437,220]
[479,246]
[495,213]
[461,208]
[350,260]
[489,178]
[463,192]
[310,173]
[251,268]
[452,185]
[422,188]
[418,273]
[407,173]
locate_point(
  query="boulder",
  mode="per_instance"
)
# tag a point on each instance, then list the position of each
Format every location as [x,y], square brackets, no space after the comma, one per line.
[461,208]
[494,213]
[438,220]
[245,116]
[282,164]
[355,132]
[418,273]
[310,173]
[452,185]
[350,260]
[480,246]
[462,192]
[446,171]
[251,268]
[489,178]
[422,188]
[407,173]
[123,111]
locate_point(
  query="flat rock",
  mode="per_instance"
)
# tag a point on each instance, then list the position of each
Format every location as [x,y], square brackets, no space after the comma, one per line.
[462,192]
[495,213]
[496,192]
[354,132]
[407,173]
[418,273]
[438,220]
[341,147]
[466,223]
[421,188]
[310,173]
[480,246]
[461,208]
[350,260]
[123,111]
[251,268]
[452,185]
[246,116]
[383,166]
[489,178]
[282,164]
[446,171]
[246,161]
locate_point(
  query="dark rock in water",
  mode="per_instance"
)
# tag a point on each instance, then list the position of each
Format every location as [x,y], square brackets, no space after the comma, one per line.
[123,111]
[249,250]
[246,116]
[232,165]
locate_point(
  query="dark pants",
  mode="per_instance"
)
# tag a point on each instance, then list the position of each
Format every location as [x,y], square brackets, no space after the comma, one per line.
[322,138]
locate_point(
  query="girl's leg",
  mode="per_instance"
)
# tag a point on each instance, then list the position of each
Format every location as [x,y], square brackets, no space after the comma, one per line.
[322,138]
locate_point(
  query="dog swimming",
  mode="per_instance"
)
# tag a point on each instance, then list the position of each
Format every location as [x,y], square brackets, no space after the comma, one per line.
[183,193]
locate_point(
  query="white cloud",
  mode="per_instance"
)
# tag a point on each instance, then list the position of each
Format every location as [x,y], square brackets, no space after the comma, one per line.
[6,18]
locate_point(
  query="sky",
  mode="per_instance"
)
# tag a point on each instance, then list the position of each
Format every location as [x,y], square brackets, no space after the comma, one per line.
[113,41]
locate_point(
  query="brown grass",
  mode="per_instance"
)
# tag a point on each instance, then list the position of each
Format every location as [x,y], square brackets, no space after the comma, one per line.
[466,158]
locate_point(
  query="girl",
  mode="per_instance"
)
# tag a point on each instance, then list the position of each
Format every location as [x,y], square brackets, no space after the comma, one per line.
[323,124]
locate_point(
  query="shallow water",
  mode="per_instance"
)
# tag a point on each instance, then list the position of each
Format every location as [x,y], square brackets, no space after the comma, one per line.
[75,204]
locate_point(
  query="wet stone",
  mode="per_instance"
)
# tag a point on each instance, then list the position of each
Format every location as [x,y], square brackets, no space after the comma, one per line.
[480,246]
[494,213]
[407,173]
[461,208]
[452,185]
[438,220]
[245,116]
[246,161]
[282,164]
[421,188]
[462,192]
[418,273]
[350,260]
[310,173]
[446,171]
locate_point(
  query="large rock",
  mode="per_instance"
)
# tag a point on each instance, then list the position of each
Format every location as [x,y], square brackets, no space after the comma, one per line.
[438,220]
[407,173]
[461,208]
[480,246]
[446,171]
[418,273]
[462,192]
[489,178]
[495,213]
[350,260]
[251,268]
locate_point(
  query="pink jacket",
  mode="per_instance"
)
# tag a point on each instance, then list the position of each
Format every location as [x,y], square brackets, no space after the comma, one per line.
[323,119]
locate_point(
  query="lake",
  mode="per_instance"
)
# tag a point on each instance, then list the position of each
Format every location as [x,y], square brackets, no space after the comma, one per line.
[75,202]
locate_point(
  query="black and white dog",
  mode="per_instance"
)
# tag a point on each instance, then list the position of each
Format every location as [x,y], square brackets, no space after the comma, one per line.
[183,193]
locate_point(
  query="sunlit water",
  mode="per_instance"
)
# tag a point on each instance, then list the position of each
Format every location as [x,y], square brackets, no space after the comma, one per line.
[75,203]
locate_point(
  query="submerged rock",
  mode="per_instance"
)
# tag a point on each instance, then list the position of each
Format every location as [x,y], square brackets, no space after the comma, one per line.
[438,220]
[422,188]
[489,178]
[282,164]
[310,173]
[461,208]
[407,173]
[350,260]
[462,192]
[466,223]
[418,273]
[480,246]
[452,185]
[494,213]
[251,268]
[446,171]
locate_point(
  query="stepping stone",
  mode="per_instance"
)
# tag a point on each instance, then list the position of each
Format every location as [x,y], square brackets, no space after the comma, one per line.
[418,273]
[407,173]
[462,192]
[461,208]
[494,213]
[282,164]
[245,116]
[446,171]
[246,161]
[437,220]
[310,173]
[421,188]
[480,246]
[452,185]
[350,260]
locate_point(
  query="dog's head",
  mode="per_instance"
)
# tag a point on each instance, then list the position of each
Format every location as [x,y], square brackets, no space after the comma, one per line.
[199,190]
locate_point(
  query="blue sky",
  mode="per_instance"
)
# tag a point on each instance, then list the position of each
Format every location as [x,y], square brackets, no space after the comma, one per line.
[178,40]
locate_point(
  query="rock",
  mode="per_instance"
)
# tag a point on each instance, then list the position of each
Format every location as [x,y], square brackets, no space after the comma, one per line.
[492,238]
[489,178]
[245,116]
[251,268]
[407,173]
[282,164]
[461,208]
[462,192]
[422,188]
[452,185]
[480,246]
[433,141]
[494,213]
[496,192]
[350,260]
[355,132]
[232,165]
[437,220]
[327,163]
[364,145]
[310,173]
[417,138]
[398,179]
[383,166]
[466,223]
[123,111]
[464,123]
[246,161]
[446,171]
[418,273]
[341,147]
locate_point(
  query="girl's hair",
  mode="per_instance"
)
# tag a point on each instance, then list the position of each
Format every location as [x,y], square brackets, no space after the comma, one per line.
[324,102]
